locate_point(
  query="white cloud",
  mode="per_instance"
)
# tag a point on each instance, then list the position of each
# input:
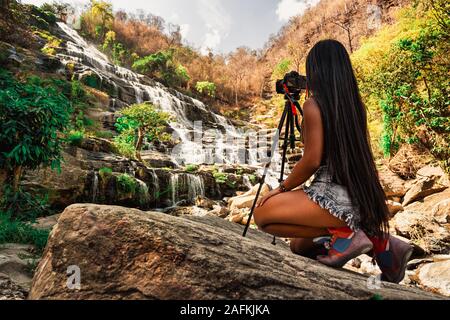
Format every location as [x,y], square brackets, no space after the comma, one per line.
[217,23]
[289,8]
[212,41]
[184,30]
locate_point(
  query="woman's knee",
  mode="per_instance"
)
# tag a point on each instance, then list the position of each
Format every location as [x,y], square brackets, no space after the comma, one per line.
[259,217]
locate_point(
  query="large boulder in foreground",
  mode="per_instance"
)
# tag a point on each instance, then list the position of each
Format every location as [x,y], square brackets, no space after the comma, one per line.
[130,254]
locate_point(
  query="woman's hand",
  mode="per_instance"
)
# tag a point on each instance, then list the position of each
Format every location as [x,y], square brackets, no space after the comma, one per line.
[263,200]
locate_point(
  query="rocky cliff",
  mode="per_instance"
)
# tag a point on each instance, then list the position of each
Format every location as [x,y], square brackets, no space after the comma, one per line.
[130,254]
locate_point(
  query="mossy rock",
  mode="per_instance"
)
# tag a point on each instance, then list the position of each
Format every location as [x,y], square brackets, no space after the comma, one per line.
[91,79]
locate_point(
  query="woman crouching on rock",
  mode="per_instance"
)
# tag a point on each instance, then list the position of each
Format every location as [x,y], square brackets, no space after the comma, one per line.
[345,199]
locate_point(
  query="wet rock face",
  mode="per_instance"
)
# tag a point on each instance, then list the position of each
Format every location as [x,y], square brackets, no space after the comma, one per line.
[98,177]
[125,253]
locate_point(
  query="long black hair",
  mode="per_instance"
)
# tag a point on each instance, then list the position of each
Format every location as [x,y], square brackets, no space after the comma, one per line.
[332,83]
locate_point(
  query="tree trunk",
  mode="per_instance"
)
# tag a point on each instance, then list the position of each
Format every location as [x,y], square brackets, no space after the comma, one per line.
[17,175]
[139,143]
[349,35]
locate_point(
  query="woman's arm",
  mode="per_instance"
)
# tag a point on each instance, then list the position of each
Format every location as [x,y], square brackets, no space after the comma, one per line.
[312,156]
[313,139]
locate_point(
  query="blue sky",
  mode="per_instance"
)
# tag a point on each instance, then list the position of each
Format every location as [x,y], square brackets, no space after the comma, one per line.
[221,25]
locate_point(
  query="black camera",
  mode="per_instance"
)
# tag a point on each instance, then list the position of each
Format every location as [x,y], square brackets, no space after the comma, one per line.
[294,82]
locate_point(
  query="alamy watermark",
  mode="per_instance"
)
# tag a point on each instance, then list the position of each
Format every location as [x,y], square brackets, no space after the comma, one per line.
[374,17]
[73,278]
[374,282]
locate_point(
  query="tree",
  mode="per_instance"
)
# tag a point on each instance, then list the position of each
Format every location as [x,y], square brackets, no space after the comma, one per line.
[32,117]
[103,10]
[240,65]
[344,20]
[59,9]
[146,121]
[206,88]
[404,69]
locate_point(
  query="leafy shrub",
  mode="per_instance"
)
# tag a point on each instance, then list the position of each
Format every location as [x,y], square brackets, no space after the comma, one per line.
[206,88]
[140,121]
[33,114]
[192,168]
[13,231]
[127,184]
[105,173]
[105,134]
[22,205]
[162,65]
[220,177]
[404,70]
[75,138]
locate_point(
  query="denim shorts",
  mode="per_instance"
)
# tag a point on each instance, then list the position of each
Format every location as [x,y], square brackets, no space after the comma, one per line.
[334,198]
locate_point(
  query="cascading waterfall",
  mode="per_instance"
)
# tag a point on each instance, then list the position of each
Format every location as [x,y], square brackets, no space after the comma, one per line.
[95,187]
[186,187]
[174,187]
[184,110]
[155,184]
[144,196]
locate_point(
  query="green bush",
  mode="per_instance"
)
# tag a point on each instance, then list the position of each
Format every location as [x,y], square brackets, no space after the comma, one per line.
[220,177]
[75,138]
[127,184]
[162,65]
[33,114]
[105,134]
[13,231]
[105,173]
[22,205]
[403,71]
[137,122]
[192,168]
[206,88]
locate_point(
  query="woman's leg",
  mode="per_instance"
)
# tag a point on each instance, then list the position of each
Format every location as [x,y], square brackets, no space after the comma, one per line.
[302,246]
[293,215]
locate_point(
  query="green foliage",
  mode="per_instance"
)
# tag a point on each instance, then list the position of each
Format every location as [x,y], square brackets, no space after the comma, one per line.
[32,116]
[124,144]
[21,205]
[206,88]
[119,54]
[137,122]
[404,71]
[146,117]
[281,69]
[75,138]
[40,18]
[52,43]
[191,168]
[13,231]
[127,184]
[163,66]
[105,173]
[105,134]
[101,13]
[220,177]
[253,179]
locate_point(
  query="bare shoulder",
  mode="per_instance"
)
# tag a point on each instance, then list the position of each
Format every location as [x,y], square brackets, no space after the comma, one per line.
[311,108]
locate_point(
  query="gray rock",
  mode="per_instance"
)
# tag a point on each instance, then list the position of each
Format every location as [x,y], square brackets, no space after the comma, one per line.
[436,277]
[430,180]
[15,262]
[10,290]
[129,254]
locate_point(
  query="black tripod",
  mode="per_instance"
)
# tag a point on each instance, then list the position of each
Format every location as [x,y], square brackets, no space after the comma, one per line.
[289,120]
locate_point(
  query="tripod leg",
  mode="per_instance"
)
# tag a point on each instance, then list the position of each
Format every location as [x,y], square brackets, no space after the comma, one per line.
[266,169]
[289,124]
[285,145]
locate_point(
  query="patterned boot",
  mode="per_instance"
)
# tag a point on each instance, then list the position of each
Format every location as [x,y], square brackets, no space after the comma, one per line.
[345,245]
[392,256]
